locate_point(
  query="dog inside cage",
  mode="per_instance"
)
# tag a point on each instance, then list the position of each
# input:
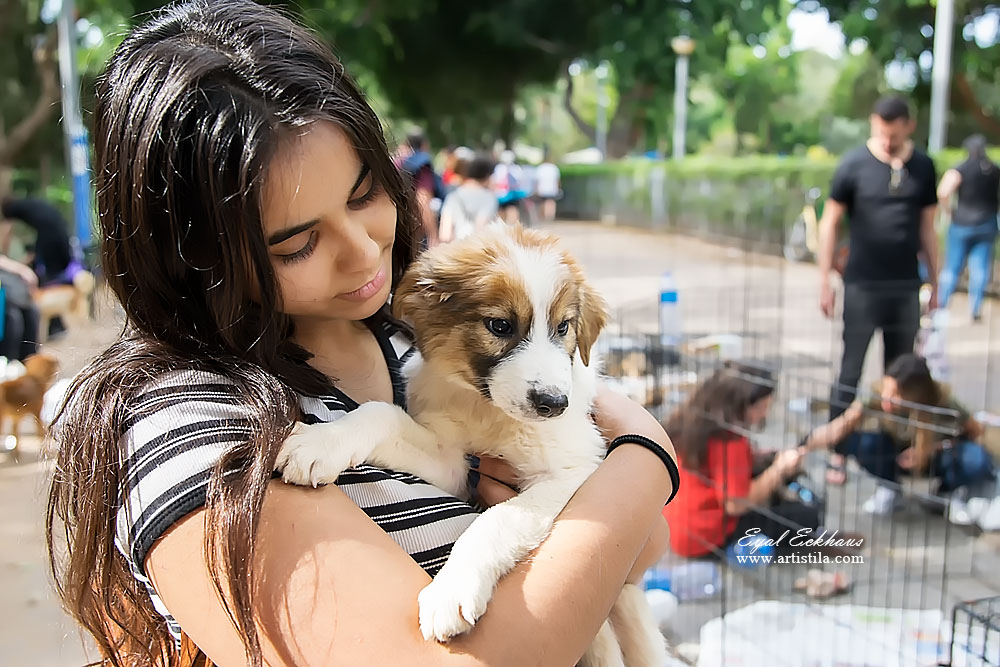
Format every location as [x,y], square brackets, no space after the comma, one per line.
[770,563]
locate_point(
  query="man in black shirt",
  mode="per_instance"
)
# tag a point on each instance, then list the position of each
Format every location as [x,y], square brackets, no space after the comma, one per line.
[887,188]
[53,251]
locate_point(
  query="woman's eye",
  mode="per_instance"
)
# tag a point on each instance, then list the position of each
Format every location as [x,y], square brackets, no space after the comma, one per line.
[499,327]
[563,328]
[301,253]
[369,189]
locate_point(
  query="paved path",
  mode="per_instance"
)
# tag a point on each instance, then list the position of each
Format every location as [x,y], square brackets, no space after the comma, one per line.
[723,290]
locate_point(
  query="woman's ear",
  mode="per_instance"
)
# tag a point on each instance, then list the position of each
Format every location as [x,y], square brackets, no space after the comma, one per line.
[593,318]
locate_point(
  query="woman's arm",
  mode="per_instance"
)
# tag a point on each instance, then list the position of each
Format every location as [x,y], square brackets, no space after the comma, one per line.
[832,432]
[785,464]
[948,186]
[334,589]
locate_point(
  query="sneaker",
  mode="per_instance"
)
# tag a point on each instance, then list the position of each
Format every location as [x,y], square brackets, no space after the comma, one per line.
[883,501]
[963,512]
[989,519]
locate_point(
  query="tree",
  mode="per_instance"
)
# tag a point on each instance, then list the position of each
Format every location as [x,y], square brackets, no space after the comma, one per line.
[30,87]
[903,31]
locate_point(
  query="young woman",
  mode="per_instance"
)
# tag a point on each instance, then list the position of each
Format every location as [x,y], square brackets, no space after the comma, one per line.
[252,228]
[472,204]
[719,487]
[972,233]
[913,424]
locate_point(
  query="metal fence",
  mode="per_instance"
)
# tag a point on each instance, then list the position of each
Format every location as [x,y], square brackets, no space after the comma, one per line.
[918,568]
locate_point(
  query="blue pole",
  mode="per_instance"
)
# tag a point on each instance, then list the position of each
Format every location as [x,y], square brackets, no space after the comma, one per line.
[73,128]
[80,168]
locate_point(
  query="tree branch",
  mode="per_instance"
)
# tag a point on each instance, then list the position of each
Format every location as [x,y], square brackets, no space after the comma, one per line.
[582,125]
[22,133]
[967,96]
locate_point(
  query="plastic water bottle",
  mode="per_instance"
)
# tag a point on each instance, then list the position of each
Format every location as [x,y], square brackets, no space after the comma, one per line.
[742,555]
[694,580]
[656,582]
[804,494]
[670,313]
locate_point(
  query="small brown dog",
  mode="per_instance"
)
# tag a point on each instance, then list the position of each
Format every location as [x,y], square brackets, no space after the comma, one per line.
[66,301]
[24,395]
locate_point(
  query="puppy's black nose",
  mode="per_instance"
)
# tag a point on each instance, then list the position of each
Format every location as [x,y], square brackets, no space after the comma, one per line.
[547,404]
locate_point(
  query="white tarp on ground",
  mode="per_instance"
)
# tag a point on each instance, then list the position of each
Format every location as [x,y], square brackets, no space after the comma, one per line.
[778,634]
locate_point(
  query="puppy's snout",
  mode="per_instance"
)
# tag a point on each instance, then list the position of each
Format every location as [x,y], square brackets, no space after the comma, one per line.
[548,403]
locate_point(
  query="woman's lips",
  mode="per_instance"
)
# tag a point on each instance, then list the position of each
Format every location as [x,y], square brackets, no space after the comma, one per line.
[368,290]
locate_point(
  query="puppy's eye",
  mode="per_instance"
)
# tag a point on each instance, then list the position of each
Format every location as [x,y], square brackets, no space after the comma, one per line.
[499,327]
[563,328]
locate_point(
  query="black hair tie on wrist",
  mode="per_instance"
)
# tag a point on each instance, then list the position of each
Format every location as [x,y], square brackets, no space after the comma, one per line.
[653,446]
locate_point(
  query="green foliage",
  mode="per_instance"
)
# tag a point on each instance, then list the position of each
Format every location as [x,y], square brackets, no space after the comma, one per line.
[754,198]
[903,30]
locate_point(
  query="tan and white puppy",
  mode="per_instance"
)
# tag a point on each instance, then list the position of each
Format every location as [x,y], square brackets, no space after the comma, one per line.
[504,323]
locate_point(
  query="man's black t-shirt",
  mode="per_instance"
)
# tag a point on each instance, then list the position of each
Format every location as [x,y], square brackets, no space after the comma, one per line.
[977,193]
[884,212]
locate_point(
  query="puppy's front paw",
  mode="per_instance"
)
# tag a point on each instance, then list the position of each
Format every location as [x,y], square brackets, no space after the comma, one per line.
[314,455]
[452,603]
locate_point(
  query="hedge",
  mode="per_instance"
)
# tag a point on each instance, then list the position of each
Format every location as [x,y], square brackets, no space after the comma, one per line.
[750,199]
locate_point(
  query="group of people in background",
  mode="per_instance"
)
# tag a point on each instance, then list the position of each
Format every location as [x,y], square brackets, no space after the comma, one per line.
[909,422]
[474,188]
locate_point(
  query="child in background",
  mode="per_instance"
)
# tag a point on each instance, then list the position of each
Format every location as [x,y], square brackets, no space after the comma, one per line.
[472,204]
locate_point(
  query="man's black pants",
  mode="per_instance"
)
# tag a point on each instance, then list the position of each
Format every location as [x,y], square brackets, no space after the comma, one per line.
[892,307]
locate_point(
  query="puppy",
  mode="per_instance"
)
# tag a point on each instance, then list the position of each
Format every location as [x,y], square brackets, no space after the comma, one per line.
[24,395]
[64,300]
[504,324]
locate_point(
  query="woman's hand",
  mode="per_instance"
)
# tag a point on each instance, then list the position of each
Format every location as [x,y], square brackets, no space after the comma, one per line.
[788,462]
[617,415]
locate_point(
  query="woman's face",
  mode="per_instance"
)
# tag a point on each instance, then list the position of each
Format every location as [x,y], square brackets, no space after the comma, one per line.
[329,228]
[756,414]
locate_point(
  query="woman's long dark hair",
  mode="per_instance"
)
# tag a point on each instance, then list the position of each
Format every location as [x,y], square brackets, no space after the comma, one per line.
[975,146]
[189,112]
[718,405]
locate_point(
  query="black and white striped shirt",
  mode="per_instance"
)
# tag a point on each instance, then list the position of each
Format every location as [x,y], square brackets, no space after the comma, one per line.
[183,423]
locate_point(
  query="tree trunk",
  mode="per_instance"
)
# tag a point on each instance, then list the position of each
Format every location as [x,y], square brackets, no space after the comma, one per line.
[507,124]
[627,124]
[966,96]
[585,128]
[13,142]
[6,180]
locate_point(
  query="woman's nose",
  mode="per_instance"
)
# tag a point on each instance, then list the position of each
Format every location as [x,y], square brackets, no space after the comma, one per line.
[356,250]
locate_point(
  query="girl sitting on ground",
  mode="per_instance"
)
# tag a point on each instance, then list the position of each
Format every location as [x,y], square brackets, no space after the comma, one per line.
[915,425]
[719,489]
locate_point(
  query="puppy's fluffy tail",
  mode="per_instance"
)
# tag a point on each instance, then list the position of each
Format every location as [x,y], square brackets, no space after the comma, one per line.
[642,643]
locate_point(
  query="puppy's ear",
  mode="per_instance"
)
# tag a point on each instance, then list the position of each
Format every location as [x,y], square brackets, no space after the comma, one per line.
[593,317]
[425,284]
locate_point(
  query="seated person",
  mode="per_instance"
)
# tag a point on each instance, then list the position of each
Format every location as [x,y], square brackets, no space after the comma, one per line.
[19,339]
[913,424]
[718,488]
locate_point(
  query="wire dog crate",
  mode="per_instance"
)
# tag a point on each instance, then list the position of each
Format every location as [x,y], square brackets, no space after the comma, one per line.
[915,568]
[975,638]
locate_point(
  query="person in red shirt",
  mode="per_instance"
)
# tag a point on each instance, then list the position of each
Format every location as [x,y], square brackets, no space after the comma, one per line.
[720,483]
